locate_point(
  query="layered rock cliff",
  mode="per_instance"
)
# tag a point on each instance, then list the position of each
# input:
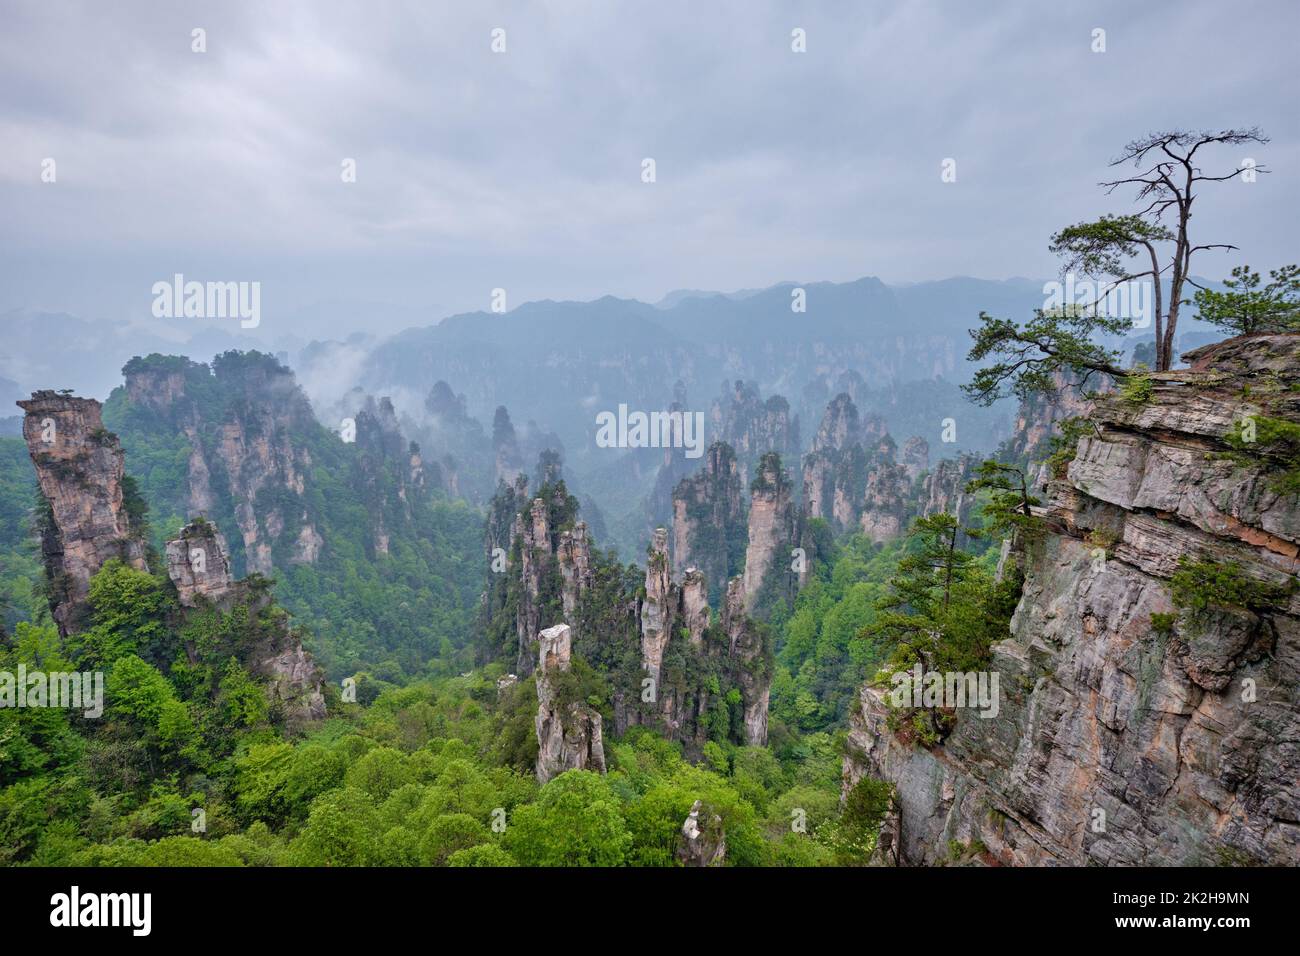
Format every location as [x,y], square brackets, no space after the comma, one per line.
[93,518]
[772,535]
[244,422]
[1149,701]
[569,735]
[853,478]
[709,528]
[752,426]
[199,568]
[79,467]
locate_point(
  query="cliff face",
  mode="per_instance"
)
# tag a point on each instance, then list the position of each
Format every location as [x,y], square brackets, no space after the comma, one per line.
[772,531]
[751,659]
[708,530]
[852,476]
[944,489]
[532,530]
[568,732]
[675,620]
[1123,739]
[753,427]
[244,421]
[391,472]
[539,572]
[79,466]
[197,564]
[657,606]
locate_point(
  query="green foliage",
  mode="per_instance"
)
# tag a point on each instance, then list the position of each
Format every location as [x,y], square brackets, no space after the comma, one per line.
[360,608]
[1006,508]
[1028,357]
[1244,308]
[1198,586]
[1276,440]
[129,610]
[340,831]
[1062,447]
[577,821]
[483,855]
[1137,387]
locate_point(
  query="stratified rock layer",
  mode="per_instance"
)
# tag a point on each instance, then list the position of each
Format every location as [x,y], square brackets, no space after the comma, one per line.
[79,466]
[568,732]
[1119,742]
[199,567]
[771,531]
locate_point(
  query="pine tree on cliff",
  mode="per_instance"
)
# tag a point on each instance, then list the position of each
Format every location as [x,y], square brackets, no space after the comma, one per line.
[1244,308]
[1154,244]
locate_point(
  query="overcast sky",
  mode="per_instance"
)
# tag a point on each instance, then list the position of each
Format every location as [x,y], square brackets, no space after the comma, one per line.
[522,170]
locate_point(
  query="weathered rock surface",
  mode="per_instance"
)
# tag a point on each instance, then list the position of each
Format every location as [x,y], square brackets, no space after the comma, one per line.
[79,467]
[657,606]
[1118,743]
[853,476]
[573,554]
[944,489]
[253,452]
[568,732]
[532,529]
[198,565]
[751,658]
[704,841]
[709,518]
[771,531]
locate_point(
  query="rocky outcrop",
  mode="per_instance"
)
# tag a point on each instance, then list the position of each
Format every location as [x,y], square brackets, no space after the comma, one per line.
[915,457]
[751,659]
[694,606]
[540,565]
[198,564]
[532,530]
[245,419]
[573,555]
[391,475]
[657,606]
[200,569]
[79,467]
[708,530]
[568,731]
[753,427]
[704,841]
[943,491]
[772,532]
[1132,730]
[738,654]
[852,476]
[887,507]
